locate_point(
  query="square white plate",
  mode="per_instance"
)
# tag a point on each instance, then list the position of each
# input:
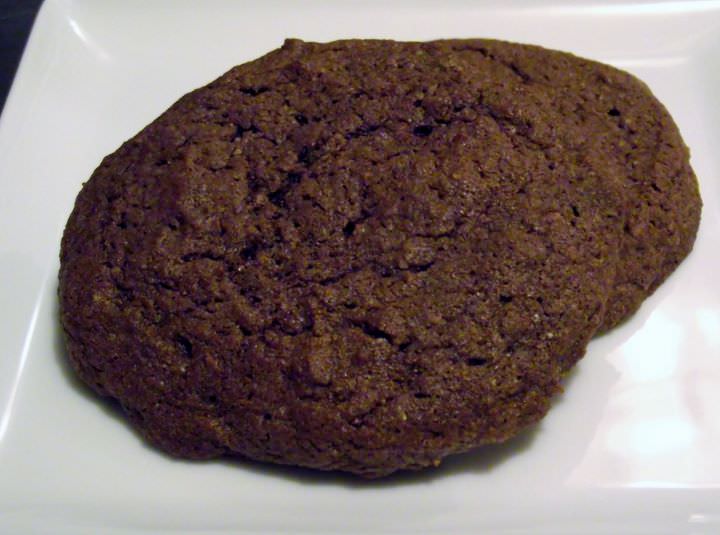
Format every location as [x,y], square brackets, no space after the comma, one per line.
[632,447]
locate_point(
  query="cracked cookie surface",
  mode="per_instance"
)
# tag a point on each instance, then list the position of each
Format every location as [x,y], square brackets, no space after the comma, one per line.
[360,255]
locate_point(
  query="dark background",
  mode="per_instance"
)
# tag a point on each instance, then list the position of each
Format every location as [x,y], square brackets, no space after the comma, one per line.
[16,18]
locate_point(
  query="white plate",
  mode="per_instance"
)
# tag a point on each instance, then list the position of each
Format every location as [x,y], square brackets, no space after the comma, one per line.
[632,447]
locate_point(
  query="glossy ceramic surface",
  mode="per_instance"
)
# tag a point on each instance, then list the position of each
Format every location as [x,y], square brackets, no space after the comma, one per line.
[631,447]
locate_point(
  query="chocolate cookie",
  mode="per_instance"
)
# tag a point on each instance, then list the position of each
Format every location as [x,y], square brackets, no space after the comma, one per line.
[639,144]
[361,255]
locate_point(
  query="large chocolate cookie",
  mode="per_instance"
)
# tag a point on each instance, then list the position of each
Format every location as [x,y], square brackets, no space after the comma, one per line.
[360,255]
